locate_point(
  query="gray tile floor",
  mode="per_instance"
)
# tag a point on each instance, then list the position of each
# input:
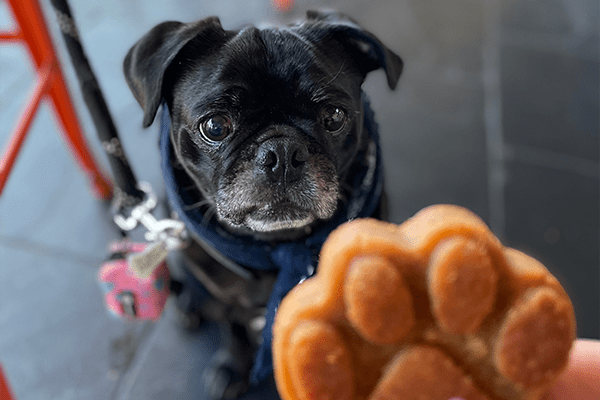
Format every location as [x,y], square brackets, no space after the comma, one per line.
[497,111]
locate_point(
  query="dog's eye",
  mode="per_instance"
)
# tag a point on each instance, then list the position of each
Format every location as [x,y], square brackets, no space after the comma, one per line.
[333,118]
[216,128]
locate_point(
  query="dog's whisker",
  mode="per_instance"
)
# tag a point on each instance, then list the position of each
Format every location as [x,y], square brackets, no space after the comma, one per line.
[198,204]
[343,198]
[176,164]
[337,74]
[208,215]
[321,92]
[189,187]
[345,187]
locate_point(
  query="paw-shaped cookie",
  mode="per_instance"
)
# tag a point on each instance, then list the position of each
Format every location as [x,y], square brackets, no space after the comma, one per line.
[431,309]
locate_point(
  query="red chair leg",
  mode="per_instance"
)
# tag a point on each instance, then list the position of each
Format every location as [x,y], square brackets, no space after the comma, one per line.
[5,392]
[33,30]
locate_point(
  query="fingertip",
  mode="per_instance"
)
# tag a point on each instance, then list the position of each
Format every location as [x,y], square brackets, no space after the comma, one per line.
[580,379]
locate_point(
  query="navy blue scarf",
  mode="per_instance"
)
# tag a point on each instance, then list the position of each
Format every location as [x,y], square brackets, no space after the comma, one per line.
[294,260]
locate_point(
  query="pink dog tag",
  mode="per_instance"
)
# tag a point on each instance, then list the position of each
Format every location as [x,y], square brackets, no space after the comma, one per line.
[129,294]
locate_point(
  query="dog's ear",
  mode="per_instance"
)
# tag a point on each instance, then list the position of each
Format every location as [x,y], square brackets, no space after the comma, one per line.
[147,61]
[370,53]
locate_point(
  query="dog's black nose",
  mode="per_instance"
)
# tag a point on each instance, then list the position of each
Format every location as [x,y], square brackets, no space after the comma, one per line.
[282,160]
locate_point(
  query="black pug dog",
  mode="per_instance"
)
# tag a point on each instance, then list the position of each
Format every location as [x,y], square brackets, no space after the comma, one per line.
[268,145]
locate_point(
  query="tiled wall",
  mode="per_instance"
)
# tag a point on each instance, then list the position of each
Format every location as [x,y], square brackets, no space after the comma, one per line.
[549,74]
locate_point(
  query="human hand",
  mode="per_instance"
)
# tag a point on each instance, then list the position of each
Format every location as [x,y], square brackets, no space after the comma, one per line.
[581,379]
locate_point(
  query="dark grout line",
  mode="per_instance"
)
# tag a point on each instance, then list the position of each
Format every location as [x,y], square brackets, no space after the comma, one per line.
[561,45]
[550,159]
[420,74]
[494,133]
[47,251]
[129,376]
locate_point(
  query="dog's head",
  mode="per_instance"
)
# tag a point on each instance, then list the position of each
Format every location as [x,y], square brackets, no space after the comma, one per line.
[266,122]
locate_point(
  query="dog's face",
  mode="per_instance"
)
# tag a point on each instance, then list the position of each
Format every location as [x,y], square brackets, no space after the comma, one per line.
[265,122]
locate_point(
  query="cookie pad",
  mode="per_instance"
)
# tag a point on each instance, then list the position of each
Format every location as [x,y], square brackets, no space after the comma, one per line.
[431,309]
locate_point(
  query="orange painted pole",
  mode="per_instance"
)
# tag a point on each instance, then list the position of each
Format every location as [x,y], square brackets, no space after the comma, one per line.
[16,141]
[5,392]
[34,32]
[10,36]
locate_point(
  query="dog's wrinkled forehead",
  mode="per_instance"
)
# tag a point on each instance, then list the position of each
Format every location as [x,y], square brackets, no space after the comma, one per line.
[276,47]
[327,51]
[255,70]
[274,62]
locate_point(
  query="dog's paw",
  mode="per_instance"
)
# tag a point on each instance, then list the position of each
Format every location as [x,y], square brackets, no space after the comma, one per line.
[431,309]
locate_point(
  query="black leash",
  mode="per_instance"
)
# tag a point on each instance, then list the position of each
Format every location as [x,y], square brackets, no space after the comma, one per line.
[132,205]
[133,201]
[127,193]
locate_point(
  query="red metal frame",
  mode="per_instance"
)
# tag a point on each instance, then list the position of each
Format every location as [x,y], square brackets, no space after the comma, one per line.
[33,32]
[5,392]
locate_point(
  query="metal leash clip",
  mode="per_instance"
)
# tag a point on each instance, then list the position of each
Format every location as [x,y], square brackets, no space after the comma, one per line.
[165,235]
[171,231]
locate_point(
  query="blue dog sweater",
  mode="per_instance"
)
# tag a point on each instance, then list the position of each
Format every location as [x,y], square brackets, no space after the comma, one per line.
[294,261]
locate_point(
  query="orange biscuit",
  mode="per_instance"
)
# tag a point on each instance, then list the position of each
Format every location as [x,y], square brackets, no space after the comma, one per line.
[430,309]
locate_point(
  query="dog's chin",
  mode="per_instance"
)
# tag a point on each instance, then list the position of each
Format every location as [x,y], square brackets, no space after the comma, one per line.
[282,222]
[265,226]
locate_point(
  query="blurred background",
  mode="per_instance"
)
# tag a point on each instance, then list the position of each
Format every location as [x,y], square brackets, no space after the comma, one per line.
[497,111]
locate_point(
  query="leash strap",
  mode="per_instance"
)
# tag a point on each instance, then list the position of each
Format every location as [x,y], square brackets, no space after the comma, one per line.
[136,278]
[127,192]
